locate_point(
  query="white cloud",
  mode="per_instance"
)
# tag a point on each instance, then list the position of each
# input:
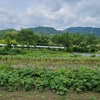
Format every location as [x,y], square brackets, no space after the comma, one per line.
[54,13]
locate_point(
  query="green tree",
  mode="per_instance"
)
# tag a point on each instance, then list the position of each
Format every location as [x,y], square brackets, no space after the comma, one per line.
[67,39]
[8,41]
[79,39]
[26,37]
[56,38]
[2,41]
[43,40]
[14,43]
[12,35]
[92,40]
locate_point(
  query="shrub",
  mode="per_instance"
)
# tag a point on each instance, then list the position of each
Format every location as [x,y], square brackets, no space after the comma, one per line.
[70,49]
[9,51]
[14,51]
[76,55]
[93,55]
[3,51]
[93,49]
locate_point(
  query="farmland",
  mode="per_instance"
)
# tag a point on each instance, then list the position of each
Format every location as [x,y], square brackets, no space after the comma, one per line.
[48,58]
[49,74]
[49,50]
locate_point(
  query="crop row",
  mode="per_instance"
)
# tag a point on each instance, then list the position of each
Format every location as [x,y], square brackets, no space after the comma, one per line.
[52,59]
[59,81]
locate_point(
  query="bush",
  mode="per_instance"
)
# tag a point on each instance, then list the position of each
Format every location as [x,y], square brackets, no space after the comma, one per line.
[81,49]
[59,49]
[14,51]
[70,49]
[9,51]
[76,55]
[93,49]
[3,51]
[93,55]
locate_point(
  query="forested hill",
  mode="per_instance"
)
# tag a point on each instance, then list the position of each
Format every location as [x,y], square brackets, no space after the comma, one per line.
[84,30]
[51,30]
[45,30]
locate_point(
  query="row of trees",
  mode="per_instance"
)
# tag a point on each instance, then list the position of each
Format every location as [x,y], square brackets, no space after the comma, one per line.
[73,42]
[25,37]
[78,42]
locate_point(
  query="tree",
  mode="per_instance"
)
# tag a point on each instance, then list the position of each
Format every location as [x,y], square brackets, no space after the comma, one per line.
[8,41]
[79,39]
[12,35]
[36,39]
[67,39]
[56,38]
[13,42]
[43,40]
[2,41]
[10,38]
[92,39]
[26,37]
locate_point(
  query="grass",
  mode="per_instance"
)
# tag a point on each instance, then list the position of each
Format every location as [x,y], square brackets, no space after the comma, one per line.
[45,53]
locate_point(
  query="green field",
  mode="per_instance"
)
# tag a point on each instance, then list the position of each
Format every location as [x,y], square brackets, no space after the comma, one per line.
[48,58]
[49,75]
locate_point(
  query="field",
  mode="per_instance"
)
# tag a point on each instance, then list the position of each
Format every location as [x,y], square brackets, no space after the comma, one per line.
[58,63]
[48,58]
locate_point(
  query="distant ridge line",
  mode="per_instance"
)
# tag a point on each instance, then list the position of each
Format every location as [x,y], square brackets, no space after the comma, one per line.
[51,30]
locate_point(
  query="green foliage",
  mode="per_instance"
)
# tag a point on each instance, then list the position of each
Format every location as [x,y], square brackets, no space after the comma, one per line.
[84,80]
[11,34]
[70,49]
[43,40]
[59,81]
[74,42]
[77,42]
[76,55]
[45,30]
[14,42]
[85,49]
[3,51]
[3,32]
[93,55]
[2,41]
[8,41]
[15,52]
[26,83]
[84,30]
[94,49]
[26,37]
[8,51]
[6,67]
[66,39]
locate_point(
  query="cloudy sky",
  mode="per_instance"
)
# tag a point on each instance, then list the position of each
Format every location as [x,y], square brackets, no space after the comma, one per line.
[59,14]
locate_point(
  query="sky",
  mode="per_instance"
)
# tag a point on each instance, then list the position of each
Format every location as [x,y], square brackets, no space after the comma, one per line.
[59,14]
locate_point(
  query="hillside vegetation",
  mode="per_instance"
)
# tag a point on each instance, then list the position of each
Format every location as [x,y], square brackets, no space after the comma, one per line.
[51,30]
[72,42]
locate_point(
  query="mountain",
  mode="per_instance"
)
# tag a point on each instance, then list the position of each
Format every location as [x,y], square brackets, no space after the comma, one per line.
[51,30]
[45,30]
[84,30]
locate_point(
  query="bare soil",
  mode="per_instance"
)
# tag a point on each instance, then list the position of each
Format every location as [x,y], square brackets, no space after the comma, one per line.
[48,95]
